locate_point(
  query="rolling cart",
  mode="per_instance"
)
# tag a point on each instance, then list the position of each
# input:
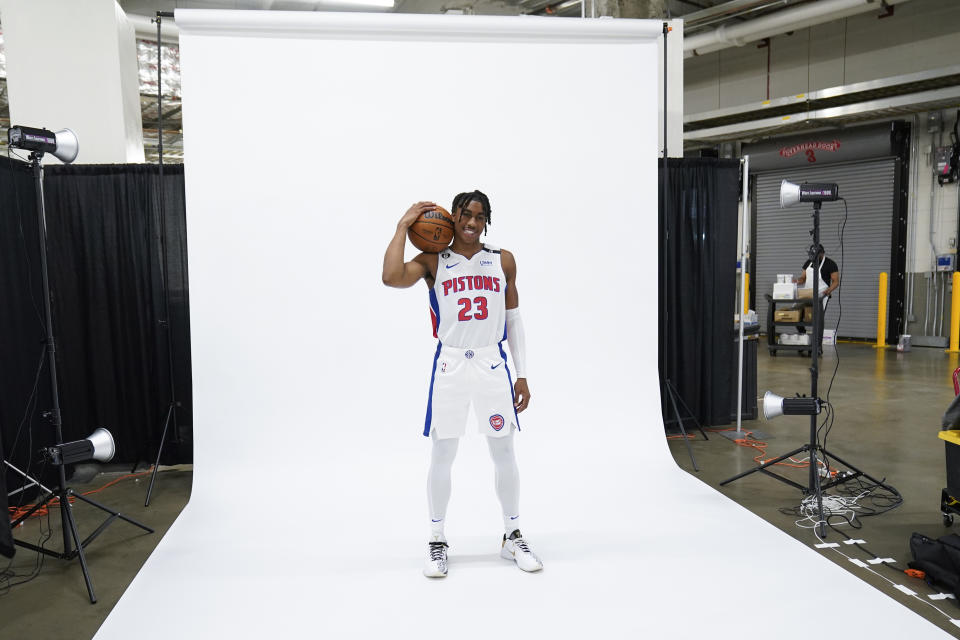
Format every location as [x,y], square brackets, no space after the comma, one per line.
[772,335]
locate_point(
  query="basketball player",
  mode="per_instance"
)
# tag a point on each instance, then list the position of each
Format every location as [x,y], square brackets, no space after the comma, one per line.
[473,304]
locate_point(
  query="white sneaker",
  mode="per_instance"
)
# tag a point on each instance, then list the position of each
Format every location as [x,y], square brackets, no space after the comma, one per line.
[516,548]
[436,566]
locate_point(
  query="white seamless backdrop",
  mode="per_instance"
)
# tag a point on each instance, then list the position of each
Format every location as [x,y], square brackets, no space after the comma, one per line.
[308,514]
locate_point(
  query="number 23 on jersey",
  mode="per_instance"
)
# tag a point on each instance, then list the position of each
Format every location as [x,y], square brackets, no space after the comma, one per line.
[478,305]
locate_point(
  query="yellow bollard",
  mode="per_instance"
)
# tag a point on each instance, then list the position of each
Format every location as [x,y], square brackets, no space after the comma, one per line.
[882,313]
[955,315]
[746,293]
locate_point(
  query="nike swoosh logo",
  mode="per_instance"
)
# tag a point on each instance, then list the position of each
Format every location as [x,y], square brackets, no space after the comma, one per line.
[451,266]
[514,517]
[432,520]
[494,366]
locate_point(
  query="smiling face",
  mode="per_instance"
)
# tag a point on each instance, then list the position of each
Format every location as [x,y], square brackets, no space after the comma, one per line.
[469,222]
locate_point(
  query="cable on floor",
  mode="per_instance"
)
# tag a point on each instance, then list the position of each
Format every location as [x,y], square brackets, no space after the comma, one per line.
[16,512]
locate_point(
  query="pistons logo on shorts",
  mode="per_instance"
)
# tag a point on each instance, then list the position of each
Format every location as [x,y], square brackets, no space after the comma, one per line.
[496,421]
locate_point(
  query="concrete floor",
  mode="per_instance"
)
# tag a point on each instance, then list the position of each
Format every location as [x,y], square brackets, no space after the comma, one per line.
[888,407]
[54,604]
[888,411]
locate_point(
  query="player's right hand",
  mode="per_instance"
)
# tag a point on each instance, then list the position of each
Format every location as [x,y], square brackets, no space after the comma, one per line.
[414,212]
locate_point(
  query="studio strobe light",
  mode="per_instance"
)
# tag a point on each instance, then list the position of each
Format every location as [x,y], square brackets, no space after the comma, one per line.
[774,405]
[63,144]
[99,445]
[791,193]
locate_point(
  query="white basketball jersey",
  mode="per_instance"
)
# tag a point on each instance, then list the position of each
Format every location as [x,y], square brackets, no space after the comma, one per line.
[468,299]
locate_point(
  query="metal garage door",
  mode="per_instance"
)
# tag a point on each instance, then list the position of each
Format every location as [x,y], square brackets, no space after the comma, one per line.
[783,238]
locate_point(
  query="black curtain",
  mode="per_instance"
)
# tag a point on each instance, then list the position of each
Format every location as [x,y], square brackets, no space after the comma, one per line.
[106,275]
[698,252]
[24,389]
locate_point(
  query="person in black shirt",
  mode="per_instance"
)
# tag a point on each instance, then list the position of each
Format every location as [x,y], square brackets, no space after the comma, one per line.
[829,274]
[828,281]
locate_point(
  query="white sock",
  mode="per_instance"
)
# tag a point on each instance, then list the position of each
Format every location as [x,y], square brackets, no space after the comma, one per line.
[438,484]
[506,480]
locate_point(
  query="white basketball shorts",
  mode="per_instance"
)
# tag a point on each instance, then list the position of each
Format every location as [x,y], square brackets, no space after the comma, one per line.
[462,377]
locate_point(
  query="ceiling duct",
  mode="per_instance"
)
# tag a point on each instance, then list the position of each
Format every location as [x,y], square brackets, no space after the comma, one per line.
[791,19]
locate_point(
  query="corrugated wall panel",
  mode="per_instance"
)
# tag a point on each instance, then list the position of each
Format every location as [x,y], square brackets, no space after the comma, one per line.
[783,237]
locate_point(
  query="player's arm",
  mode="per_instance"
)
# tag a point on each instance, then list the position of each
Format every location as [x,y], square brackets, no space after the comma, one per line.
[802,278]
[396,272]
[516,338]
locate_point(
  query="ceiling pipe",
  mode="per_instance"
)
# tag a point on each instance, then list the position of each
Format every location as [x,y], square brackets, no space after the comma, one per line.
[731,9]
[800,17]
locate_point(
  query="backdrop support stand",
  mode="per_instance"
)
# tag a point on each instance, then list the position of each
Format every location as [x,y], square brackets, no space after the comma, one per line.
[744,297]
[72,545]
[164,323]
[669,391]
[813,448]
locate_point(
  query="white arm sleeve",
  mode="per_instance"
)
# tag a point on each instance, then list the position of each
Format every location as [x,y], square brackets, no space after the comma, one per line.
[517,341]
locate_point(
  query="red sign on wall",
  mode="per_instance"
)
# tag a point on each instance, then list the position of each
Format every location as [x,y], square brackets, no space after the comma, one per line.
[809,148]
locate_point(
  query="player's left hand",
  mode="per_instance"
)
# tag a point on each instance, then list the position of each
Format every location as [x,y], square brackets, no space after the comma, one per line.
[521,394]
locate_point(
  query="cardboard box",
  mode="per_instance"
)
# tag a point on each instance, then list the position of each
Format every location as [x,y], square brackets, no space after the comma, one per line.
[808,314]
[786,315]
[784,291]
[805,294]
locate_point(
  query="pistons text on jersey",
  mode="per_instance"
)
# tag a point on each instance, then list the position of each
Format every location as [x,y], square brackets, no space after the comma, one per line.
[471,283]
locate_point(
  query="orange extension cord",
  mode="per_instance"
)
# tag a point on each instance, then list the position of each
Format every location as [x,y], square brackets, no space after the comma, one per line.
[748,441]
[16,512]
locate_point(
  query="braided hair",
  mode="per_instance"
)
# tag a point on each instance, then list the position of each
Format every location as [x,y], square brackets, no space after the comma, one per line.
[463,199]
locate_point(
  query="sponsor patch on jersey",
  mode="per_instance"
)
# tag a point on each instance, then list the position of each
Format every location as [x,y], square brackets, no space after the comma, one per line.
[486,263]
[468,354]
[496,421]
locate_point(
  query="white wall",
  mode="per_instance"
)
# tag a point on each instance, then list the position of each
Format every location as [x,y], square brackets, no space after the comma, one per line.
[72,63]
[920,35]
[930,204]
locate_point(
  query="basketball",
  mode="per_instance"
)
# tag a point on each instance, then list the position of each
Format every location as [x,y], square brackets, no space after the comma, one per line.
[432,231]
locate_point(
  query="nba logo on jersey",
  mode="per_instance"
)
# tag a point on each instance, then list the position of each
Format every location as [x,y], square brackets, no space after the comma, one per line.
[496,421]
[443,367]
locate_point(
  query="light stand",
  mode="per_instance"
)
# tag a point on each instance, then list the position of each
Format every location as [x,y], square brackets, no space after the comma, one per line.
[814,487]
[72,545]
[30,481]
[669,392]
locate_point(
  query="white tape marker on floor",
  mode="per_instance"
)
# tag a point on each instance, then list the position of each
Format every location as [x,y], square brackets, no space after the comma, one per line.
[942,596]
[852,541]
[827,545]
[906,590]
[956,622]
[879,560]
[859,563]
